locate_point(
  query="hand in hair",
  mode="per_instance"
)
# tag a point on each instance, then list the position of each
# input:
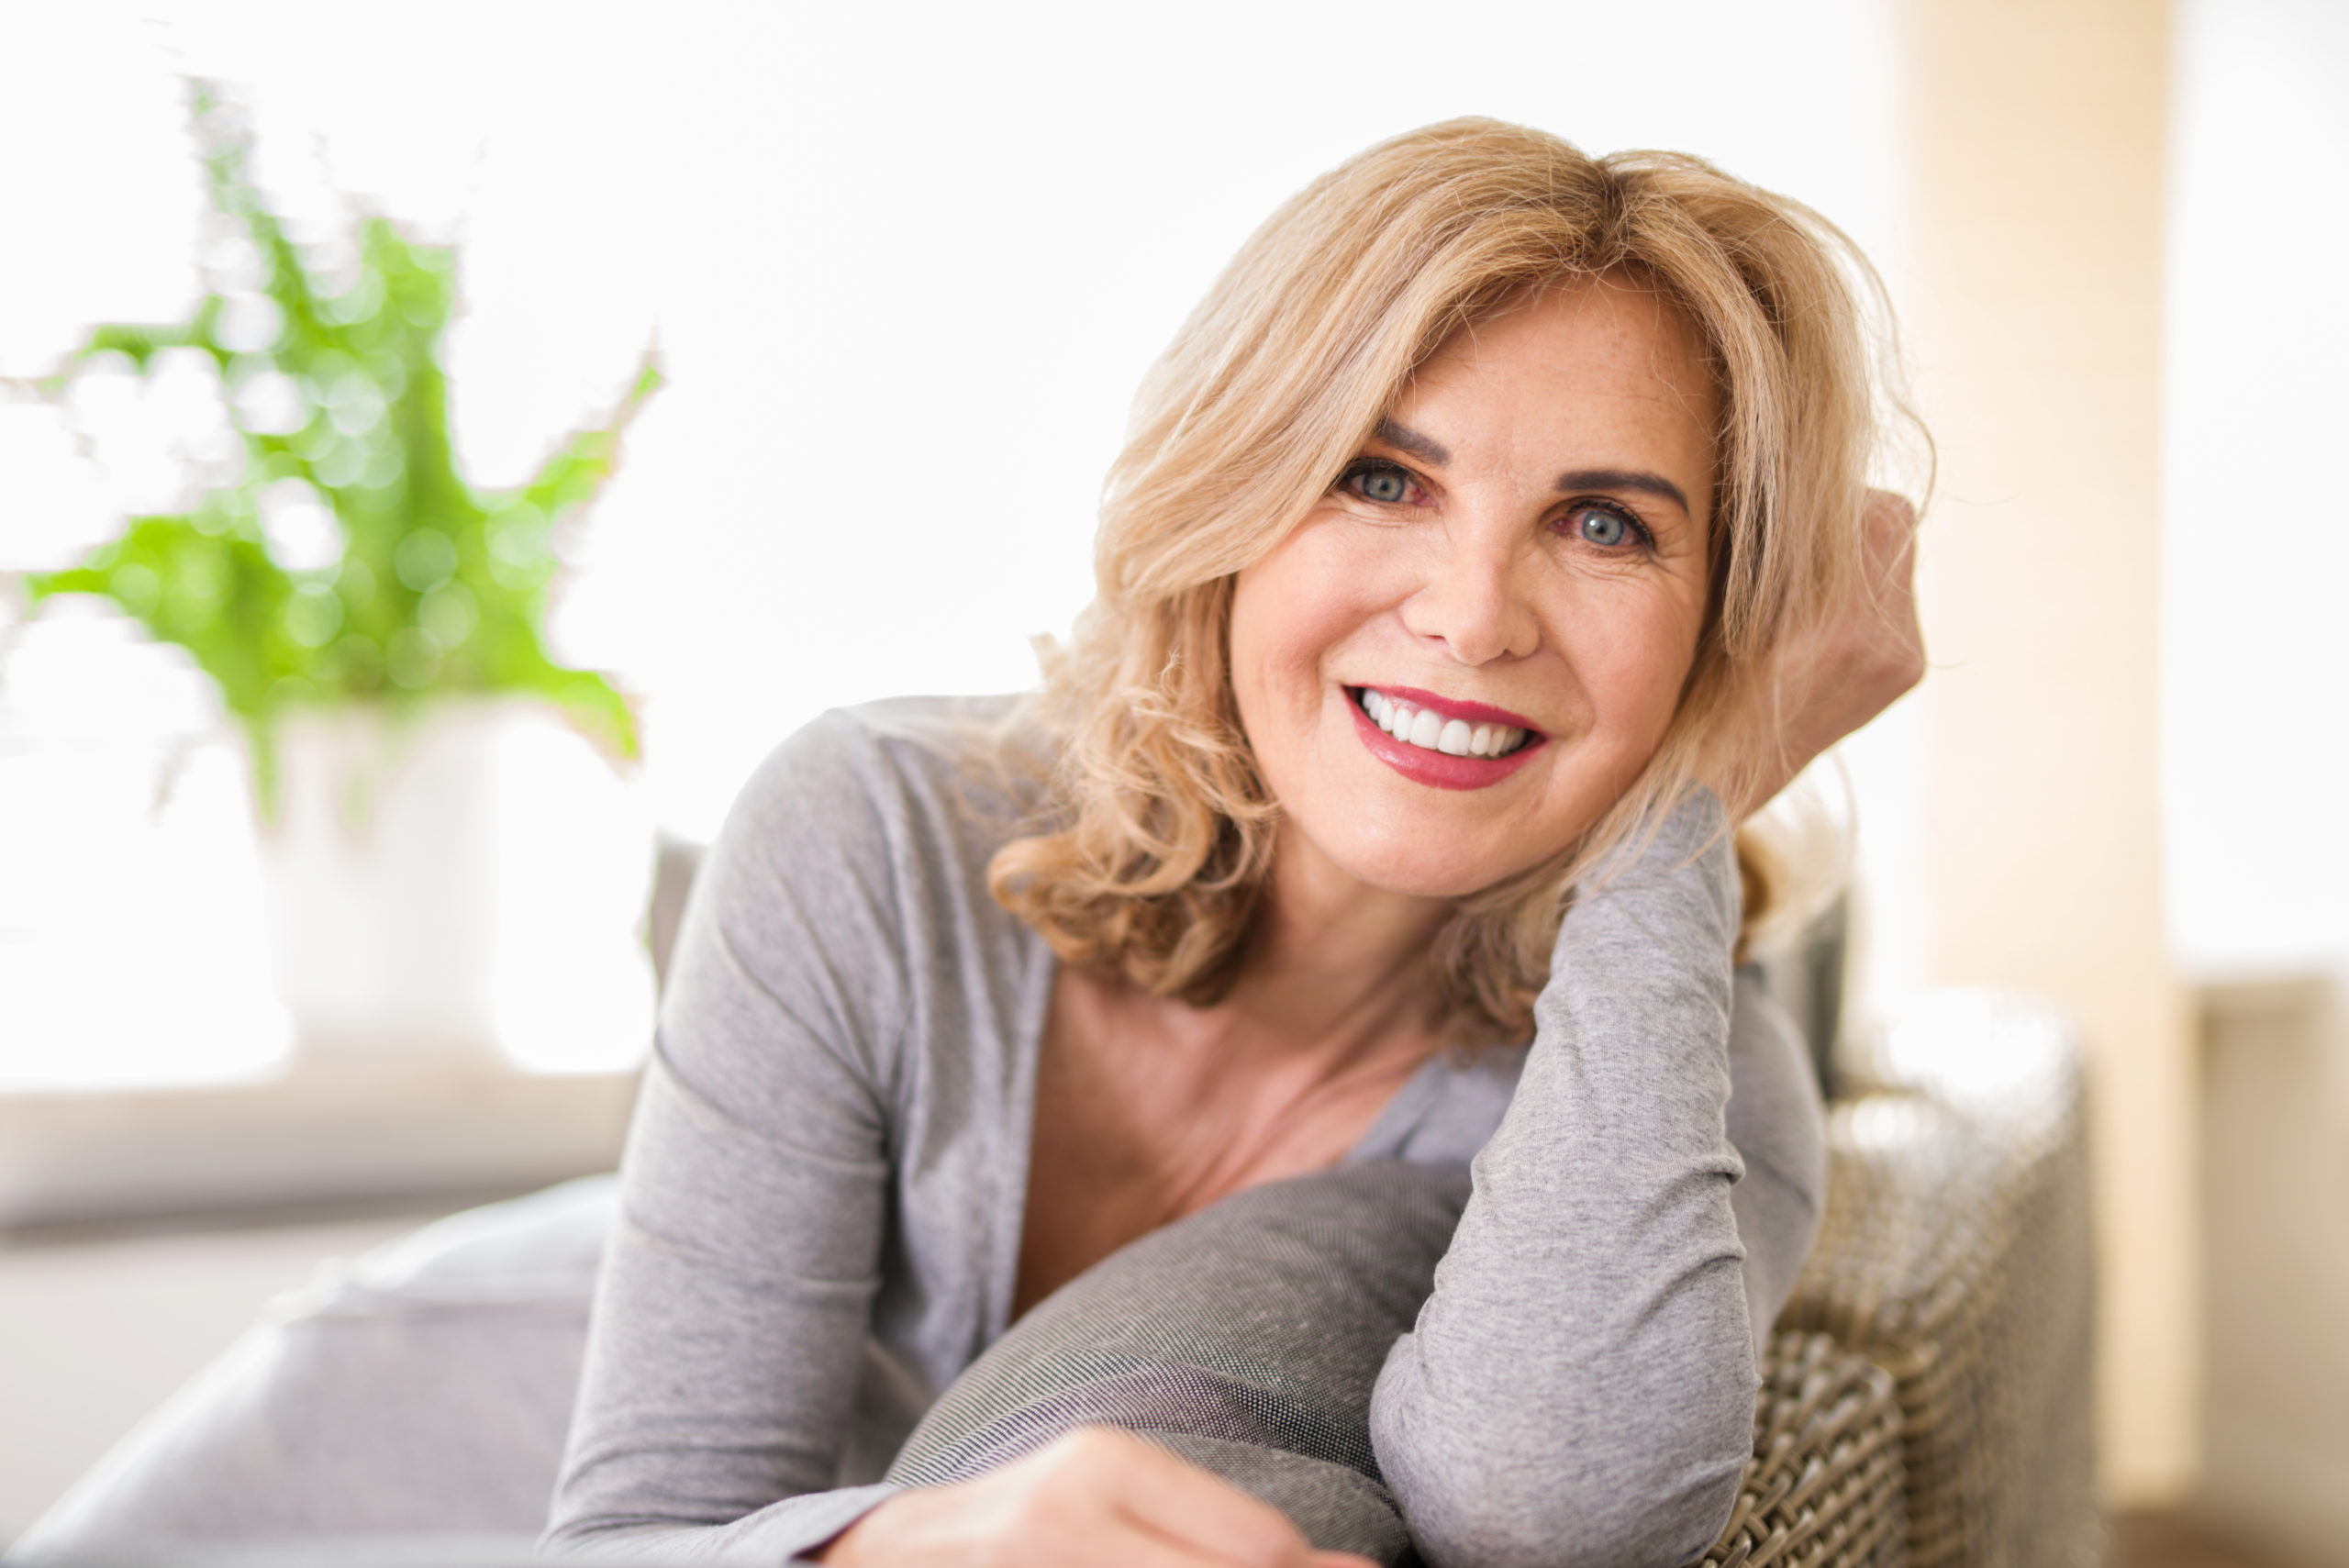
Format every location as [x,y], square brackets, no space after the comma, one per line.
[1866,653]
[1095,1497]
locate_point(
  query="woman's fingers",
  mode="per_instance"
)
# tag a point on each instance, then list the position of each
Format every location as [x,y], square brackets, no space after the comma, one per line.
[1883,625]
[1871,651]
[1866,653]
[1200,1511]
[1096,1497]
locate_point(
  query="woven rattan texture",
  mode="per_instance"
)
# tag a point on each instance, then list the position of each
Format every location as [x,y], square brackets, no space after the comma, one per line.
[1954,1252]
[1824,1485]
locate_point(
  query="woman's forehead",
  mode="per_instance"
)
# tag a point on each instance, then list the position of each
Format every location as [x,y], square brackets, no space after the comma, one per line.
[1594,358]
[1639,314]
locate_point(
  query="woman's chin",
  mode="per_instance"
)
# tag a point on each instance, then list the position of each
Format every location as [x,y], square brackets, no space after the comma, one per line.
[1386,833]
[1424,871]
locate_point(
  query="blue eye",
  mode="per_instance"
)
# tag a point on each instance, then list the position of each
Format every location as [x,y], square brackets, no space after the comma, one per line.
[1600,527]
[1382,484]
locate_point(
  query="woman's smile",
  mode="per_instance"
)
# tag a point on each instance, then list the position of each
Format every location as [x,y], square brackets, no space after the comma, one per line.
[1439,742]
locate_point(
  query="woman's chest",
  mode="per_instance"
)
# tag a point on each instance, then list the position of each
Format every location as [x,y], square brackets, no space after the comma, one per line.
[1146,1111]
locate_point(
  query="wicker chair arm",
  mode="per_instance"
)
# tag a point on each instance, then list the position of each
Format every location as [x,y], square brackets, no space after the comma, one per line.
[1825,1486]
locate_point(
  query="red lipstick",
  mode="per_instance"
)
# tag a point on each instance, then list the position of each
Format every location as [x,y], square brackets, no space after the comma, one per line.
[1441,770]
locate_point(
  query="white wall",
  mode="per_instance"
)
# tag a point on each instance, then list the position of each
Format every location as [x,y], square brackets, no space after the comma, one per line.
[2256,520]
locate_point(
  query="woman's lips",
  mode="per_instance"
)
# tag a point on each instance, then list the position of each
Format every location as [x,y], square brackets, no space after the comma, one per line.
[1442,770]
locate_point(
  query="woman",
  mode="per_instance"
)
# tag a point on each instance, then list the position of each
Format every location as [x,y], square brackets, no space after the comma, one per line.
[1495,532]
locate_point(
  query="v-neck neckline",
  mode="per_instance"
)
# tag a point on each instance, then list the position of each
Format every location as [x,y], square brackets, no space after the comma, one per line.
[1384,1139]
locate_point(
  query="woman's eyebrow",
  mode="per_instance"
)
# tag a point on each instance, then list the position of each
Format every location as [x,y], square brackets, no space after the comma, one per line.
[1402,437]
[1623,479]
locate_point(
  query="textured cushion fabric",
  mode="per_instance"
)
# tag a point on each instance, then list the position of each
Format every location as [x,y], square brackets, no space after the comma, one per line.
[422,1390]
[1246,1339]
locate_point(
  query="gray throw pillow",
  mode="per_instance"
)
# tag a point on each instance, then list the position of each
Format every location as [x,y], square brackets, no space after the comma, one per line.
[1245,1338]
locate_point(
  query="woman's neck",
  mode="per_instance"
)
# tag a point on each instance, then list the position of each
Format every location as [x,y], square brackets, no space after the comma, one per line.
[1333,960]
[1148,1109]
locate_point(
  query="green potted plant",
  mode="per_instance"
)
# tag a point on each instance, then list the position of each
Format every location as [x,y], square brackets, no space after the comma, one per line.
[368,680]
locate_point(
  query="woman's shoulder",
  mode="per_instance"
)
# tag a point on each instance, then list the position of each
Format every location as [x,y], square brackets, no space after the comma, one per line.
[849,881]
[872,826]
[978,759]
[858,790]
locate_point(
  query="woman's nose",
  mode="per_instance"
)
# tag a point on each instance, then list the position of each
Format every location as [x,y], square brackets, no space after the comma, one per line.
[1471,603]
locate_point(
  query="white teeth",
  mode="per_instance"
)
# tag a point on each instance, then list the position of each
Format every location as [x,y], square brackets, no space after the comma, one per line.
[1432,731]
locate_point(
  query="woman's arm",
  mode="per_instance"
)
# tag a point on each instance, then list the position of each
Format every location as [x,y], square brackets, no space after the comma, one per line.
[732,1310]
[1580,1387]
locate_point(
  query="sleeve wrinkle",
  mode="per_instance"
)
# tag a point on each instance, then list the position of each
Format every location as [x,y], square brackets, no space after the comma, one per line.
[738,1267]
[1760,1163]
[701,1102]
[786,1014]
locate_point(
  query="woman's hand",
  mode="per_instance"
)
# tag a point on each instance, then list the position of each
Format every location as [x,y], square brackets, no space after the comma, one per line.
[1867,653]
[1094,1496]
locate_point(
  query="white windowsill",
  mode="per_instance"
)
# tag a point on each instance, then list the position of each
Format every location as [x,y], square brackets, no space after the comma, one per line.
[319,1135]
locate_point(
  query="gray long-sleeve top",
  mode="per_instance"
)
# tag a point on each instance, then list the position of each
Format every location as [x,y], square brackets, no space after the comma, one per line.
[824,1186]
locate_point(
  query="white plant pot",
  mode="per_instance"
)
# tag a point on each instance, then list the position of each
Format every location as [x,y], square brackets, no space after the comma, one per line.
[379,879]
[466,881]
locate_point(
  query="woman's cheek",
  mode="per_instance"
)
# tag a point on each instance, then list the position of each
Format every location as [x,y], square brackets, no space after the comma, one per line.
[1316,597]
[1633,669]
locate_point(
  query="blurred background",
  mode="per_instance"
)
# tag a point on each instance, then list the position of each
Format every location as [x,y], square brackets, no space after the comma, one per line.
[899,270]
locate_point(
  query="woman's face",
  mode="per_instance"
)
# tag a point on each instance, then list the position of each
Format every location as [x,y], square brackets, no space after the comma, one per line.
[1474,642]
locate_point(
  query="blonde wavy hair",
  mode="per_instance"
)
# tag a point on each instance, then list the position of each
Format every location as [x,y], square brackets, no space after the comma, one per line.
[1152,849]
